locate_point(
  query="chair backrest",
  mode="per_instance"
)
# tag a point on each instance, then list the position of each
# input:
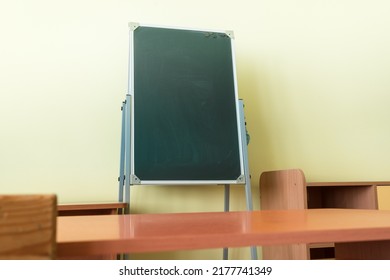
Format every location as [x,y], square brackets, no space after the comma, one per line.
[283,189]
[28,226]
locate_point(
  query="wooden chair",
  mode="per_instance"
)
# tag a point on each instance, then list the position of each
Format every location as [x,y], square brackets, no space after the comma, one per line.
[28,226]
[283,189]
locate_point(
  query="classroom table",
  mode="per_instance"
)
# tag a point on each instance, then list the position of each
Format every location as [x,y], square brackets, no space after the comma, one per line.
[100,208]
[357,233]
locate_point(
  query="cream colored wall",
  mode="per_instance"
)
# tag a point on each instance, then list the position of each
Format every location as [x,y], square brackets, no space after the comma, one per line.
[313,75]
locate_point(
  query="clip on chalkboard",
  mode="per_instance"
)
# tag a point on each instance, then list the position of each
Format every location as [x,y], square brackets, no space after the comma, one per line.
[182,121]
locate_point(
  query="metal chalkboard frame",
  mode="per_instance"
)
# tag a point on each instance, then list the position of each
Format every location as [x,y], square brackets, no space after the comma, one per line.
[163,156]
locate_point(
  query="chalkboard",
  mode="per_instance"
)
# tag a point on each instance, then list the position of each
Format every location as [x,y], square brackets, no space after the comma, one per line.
[185,106]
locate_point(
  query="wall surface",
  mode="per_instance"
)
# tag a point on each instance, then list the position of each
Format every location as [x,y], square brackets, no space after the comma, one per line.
[313,76]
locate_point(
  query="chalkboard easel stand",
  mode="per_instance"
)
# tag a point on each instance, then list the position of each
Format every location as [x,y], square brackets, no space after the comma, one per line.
[125,169]
[182,120]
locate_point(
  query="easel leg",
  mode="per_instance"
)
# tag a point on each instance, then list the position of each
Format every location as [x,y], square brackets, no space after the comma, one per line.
[127,152]
[126,158]
[248,189]
[121,178]
[226,209]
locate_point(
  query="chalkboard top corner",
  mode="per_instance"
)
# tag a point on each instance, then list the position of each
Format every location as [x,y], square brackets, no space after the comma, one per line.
[133,25]
[230,33]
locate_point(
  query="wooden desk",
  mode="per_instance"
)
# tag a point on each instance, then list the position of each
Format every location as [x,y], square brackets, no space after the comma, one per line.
[287,189]
[343,194]
[111,234]
[108,208]
[348,184]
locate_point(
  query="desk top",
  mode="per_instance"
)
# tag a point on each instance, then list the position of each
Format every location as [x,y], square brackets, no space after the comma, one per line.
[90,206]
[92,235]
[348,184]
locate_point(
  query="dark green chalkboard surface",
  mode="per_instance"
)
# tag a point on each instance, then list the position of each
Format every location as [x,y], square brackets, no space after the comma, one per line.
[185,106]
